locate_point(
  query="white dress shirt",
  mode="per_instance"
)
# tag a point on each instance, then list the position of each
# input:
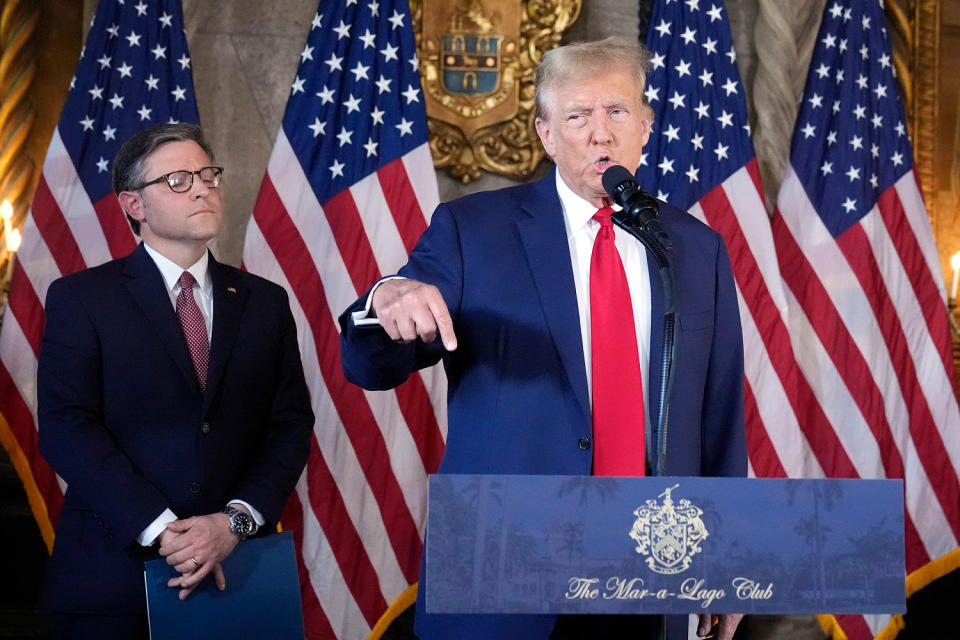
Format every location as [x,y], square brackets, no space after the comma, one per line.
[582,231]
[203,294]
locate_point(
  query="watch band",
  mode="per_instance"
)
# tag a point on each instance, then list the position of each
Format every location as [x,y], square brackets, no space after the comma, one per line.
[242,524]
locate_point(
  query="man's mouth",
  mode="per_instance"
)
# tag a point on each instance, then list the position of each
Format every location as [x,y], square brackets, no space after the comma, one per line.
[602,163]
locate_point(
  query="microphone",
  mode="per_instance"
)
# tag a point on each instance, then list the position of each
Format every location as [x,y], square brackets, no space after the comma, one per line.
[640,207]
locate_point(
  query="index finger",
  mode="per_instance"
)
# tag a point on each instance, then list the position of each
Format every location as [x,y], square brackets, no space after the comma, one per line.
[444,324]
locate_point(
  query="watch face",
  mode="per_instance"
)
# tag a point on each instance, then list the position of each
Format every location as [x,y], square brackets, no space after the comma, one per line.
[242,524]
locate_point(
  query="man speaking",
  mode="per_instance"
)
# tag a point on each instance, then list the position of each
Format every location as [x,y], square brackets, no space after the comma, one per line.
[549,323]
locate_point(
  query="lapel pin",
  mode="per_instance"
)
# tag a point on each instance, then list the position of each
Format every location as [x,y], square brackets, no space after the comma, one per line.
[232,289]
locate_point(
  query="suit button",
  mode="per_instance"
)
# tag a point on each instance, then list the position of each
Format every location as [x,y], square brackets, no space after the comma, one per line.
[194,488]
[205,427]
[584,443]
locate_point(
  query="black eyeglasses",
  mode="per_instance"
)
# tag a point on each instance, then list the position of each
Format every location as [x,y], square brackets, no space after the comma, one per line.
[182,181]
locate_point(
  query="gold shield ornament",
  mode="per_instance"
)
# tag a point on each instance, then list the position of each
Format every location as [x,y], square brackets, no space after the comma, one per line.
[477,61]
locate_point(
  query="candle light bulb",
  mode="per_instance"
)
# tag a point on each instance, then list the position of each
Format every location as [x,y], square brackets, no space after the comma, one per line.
[955,264]
[6,211]
[13,240]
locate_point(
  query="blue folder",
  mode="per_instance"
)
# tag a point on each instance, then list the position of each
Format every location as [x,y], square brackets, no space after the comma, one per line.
[262,598]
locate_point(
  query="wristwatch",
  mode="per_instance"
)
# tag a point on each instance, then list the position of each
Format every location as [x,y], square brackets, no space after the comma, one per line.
[241,524]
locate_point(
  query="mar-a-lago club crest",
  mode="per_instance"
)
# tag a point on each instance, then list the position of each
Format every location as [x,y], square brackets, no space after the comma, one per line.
[477,60]
[668,534]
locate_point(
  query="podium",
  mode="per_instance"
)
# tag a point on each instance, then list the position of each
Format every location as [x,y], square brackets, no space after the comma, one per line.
[663,545]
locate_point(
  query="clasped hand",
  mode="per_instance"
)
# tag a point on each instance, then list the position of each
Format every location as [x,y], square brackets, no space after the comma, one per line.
[408,309]
[195,547]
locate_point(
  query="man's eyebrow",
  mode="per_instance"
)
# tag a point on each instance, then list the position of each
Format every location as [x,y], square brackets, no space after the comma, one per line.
[577,106]
[616,102]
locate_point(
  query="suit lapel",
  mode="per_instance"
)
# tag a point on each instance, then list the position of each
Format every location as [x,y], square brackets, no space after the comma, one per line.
[145,284]
[548,254]
[655,366]
[229,296]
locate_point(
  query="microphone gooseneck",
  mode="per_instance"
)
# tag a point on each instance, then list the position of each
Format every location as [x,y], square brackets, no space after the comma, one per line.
[639,207]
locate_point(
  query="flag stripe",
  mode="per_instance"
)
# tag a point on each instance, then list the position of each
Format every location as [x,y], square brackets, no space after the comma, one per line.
[355,565]
[420,417]
[418,167]
[856,247]
[829,328]
[815,425]
[858,379]
[117,231]
[315,622]
[344,218]
[763,455]
[53,227]
[288,181]
[27,308]
[283,239]
[403,202]
[74,204]
[929,295]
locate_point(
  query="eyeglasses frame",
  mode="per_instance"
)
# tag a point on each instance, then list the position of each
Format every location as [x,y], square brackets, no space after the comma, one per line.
[165,178]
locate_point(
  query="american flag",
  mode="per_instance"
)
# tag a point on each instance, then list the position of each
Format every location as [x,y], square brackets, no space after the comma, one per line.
[134,71]
[348,190]
[700,157]
[866,295]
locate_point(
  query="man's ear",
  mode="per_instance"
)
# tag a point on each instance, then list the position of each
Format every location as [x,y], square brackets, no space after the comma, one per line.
[132,204]
[645,129]
[543,130]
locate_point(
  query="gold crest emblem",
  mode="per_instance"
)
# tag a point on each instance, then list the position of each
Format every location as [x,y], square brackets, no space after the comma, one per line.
[668,534]
[477,60]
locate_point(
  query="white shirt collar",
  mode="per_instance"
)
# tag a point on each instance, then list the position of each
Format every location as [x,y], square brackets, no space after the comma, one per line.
[171,271]
[577,211]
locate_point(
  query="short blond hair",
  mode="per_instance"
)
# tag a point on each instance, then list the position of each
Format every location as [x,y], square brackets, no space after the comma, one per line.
[580,59]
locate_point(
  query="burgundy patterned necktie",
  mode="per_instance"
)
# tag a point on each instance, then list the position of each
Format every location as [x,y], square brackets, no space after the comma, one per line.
[194,327]
[618,433]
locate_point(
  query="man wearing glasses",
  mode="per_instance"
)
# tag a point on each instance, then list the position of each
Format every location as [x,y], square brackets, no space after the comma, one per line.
[172,399]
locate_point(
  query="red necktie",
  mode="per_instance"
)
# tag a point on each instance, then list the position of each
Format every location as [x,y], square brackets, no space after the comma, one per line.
[618,435]
[194,327]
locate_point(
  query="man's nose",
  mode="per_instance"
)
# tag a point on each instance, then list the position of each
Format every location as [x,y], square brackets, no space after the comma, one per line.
[601,133]
[199,189]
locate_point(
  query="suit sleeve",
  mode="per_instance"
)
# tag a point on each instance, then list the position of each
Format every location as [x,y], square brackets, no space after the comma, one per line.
[285,448]
[73,437]
[369,357]
[724,450]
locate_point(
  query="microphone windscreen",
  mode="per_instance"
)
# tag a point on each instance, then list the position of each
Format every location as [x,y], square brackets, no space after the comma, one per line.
[613,177]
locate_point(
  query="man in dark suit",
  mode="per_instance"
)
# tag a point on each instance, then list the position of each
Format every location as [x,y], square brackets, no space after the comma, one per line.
[515,284]
[172,399]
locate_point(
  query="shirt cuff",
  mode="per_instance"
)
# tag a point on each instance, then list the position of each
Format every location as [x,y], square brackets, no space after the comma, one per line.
[149,535]
[362,317]
[257,516]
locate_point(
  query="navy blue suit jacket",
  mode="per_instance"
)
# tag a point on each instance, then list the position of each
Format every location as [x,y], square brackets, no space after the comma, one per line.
[123,420]
[517,392]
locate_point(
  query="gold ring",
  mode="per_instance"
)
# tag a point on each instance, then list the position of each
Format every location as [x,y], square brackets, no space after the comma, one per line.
[196,565]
